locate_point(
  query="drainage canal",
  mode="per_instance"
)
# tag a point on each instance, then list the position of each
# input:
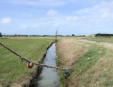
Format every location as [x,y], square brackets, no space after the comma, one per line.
[49,76]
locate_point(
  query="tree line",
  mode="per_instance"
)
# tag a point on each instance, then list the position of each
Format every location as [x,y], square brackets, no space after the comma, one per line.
[104,35]
[17,35]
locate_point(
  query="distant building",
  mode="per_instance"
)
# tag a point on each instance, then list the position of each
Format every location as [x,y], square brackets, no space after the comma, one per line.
[92,35]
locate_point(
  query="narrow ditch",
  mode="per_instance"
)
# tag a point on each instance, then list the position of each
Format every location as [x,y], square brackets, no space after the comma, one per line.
[47,77]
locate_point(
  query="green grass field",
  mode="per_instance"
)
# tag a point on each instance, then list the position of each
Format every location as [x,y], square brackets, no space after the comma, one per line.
[11,67]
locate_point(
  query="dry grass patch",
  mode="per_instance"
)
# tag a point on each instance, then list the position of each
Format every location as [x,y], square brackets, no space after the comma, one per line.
[70,50]
[82,57]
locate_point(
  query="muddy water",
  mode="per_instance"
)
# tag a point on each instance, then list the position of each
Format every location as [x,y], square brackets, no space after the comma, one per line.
[49,77]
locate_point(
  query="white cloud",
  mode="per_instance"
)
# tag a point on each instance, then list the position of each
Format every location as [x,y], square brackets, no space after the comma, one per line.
[96,15]
[52,2]
[72,18]
[28,14]
[6,20]
[102,10]
[98,18]
[51,13]
[39,2]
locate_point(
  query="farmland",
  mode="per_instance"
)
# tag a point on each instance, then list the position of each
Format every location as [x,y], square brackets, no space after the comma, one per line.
[12,69]
[90,60]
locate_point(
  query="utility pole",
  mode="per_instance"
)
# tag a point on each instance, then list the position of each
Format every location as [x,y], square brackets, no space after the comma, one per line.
[56,36]
[0,34]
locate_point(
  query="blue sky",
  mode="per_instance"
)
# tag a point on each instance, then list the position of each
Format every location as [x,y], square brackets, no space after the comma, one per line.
[46,16]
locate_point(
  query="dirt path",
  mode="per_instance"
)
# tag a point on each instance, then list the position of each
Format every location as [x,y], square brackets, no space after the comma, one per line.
[105,44]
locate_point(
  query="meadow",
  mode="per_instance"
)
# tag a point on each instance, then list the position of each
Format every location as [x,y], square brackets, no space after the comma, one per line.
[12,69]
[90,60]
[101,39]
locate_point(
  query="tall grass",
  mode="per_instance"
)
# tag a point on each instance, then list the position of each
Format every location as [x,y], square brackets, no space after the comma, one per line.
[100,39]
[81,66]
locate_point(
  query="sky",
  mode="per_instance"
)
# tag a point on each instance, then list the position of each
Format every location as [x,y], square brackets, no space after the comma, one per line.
[40,17]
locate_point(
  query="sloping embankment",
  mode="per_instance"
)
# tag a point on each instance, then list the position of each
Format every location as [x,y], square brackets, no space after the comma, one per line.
[30,80]
[81,57]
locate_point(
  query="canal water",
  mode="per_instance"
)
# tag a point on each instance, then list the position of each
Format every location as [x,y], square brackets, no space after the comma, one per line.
[49,76]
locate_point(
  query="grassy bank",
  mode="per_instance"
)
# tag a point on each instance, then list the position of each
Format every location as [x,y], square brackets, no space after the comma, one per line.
[101,39]
[85,59]
[12,69]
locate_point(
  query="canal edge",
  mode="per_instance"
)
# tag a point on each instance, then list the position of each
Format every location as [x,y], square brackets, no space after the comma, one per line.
[36,71]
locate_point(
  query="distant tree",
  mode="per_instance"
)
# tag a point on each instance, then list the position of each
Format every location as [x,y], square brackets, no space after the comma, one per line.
[104,35]
[0,34]
[73,34]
